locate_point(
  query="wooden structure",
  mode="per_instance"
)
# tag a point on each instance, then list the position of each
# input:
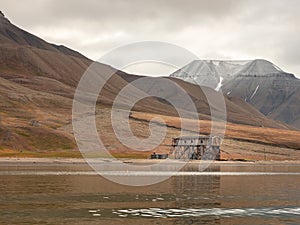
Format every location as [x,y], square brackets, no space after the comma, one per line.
[196,147]
[159,156]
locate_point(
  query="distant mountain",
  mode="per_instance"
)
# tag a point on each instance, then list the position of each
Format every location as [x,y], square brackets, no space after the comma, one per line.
[272,91]
[211,73]
[259,67]
[259,82]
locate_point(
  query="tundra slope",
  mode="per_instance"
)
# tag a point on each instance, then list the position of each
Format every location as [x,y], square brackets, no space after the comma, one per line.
[38,81]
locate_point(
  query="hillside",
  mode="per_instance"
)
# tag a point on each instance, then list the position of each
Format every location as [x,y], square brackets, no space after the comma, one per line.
[37,84]
[240,141]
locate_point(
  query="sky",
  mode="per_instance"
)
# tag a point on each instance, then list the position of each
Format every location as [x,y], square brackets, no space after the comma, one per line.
[213,29]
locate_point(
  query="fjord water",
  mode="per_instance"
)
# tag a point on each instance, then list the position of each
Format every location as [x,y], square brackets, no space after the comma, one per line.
[70,193]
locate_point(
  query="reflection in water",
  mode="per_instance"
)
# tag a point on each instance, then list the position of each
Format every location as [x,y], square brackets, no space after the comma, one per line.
[88,199]
[191,212]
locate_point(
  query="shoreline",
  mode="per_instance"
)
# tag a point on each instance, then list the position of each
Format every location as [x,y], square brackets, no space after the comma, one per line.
[128,160]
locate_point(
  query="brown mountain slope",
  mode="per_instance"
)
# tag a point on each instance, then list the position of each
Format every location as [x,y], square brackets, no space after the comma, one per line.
[12,35]
[34,63]
[21,107]
[237,111]
[240,141]
[37,83]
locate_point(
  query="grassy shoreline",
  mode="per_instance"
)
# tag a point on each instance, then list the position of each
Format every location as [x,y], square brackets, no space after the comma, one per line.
[130,160]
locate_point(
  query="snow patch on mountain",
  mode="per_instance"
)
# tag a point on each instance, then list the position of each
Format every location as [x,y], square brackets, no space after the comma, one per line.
[219,84]
[254,92]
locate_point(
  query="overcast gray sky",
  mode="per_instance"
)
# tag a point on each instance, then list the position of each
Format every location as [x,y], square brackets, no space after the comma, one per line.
[223,29]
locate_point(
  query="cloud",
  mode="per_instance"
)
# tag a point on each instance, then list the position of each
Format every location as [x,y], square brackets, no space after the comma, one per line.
[226,29]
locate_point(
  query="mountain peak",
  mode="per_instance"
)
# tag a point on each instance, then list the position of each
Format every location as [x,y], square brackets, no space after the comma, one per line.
[13,35]
[260,67]
[228,69]
[2,16]
[208,72]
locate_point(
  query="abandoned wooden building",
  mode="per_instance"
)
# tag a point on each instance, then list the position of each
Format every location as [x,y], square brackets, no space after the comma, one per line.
[159,156]
[196,147]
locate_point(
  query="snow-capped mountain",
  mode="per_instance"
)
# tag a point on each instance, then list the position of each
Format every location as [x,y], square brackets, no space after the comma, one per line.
[259,67]
[209,72]
[213,73]
[259,82]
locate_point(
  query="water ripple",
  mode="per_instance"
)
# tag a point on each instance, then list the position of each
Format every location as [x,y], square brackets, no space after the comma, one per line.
[223,212]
